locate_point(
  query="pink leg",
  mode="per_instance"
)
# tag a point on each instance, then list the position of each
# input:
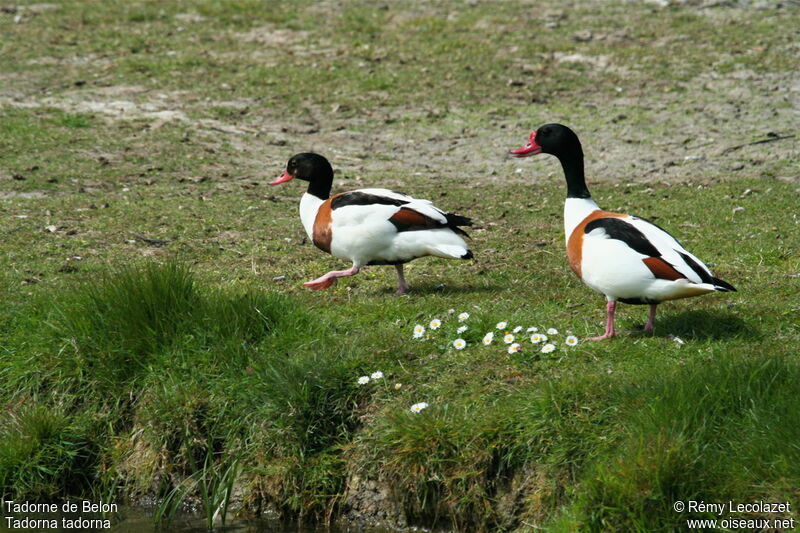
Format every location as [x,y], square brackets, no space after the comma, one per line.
[330,278]
[652,319]
[611,306]
[402,286]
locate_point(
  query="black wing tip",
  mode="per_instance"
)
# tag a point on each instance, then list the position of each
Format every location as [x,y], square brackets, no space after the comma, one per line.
[454,221]
[468,255]
[723,286]
[457,220]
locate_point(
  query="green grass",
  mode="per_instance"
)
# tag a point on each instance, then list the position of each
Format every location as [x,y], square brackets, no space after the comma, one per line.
[46,452]
[184,371]
[715,430]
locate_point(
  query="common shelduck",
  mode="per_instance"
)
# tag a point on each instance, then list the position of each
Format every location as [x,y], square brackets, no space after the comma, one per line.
[371,226]
[627,258]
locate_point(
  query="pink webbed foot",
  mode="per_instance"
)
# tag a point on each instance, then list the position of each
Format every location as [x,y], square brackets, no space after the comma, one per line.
[323,282]
[320,283]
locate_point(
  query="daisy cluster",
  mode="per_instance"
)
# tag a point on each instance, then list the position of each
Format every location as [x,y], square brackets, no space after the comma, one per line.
[516,339]
[420,332]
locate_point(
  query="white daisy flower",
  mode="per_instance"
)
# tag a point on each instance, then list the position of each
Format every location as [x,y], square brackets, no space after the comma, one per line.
[488,338]
[547,348]
[552,331]
[462,329]
[463,316]
[572,340]
[417,407]
[419,331]
[517,329]
[435,323]
[397,386]
[508,339]
[377,375]
[532,330]
[459,344]
[514,348]
[543,337]
[363,380]
[536,338]
[502,325]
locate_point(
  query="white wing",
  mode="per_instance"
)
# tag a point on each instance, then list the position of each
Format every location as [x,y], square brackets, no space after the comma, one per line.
[672,251]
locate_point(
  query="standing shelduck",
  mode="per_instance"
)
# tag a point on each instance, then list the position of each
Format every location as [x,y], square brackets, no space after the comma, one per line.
[371,226]
[627,258]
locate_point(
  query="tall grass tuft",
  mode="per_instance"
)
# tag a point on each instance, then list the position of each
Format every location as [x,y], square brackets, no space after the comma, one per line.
[313,414]
[116,324]
[119,327]
[447,463]
[44,452]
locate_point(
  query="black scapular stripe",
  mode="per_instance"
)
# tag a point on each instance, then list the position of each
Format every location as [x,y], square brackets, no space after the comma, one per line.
[363,198]
[622,231]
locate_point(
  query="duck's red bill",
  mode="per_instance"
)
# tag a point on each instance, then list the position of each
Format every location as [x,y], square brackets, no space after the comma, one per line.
[532,148]
[282,179]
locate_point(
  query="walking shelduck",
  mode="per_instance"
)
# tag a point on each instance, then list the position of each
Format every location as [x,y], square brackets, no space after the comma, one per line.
[627,258]
[371,226]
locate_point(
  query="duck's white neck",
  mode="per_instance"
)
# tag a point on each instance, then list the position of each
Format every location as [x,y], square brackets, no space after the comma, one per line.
[575,210]
[309,205]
